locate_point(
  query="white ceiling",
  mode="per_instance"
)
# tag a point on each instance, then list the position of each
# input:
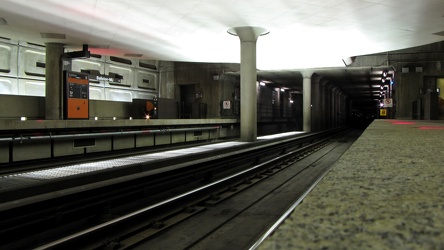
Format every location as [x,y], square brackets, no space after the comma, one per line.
[303,33]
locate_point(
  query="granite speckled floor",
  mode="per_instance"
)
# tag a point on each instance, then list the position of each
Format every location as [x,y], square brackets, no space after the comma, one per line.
[385,192]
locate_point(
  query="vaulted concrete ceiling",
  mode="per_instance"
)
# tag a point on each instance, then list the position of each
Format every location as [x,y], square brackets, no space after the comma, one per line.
[317,34]
[361,84]
[303,33]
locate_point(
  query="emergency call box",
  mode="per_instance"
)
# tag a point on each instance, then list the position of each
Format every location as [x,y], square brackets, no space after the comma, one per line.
[76,98]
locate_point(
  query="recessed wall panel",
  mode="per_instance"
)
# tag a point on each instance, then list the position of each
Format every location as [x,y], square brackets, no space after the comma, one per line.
[147,64]
[102,144]
[8,86]
[65,147]
[122,76]
[92,67]
[144,140]
[28,150]
[162,139]
[146,80]
[121,61]
[32,63]
[119,95]
[4,152]
[31,87]
[8,60]
[214,134]
[145,95]
[123,142]
[96,93]
[178,137]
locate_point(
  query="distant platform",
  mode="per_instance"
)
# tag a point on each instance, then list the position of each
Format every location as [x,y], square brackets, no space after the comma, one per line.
[385,192]
[17,124]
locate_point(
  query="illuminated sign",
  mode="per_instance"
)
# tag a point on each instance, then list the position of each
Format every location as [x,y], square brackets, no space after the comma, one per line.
[388,103]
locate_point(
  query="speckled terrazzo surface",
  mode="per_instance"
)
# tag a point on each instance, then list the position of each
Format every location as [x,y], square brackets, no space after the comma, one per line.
[385,192]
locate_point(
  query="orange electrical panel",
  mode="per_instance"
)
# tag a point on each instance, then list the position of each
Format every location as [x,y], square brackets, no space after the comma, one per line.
[77,95]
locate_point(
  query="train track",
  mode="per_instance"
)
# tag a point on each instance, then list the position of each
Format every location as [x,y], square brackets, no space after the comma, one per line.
[147,211]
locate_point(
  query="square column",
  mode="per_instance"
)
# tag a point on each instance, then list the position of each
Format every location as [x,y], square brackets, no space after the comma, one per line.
[53,82]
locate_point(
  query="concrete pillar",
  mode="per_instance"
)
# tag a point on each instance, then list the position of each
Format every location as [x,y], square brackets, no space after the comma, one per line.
[316,106]
[306,101]
[248,114]
[333,107]
[53,82]
[341,108]
[346,110]
[322,104]
[328,105]
[337,107]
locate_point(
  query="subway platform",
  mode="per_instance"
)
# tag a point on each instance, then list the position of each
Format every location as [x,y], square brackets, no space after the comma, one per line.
[385,192]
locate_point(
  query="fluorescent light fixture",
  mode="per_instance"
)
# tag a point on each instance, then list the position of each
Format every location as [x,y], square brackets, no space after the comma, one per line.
[96,118]
[23,118]
[262,83]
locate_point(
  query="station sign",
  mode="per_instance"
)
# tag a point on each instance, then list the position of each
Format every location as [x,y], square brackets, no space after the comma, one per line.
[110,79]
[226,105]
[388,103]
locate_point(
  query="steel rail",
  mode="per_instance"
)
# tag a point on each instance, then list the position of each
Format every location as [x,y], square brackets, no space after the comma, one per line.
[95,229]
[287,213]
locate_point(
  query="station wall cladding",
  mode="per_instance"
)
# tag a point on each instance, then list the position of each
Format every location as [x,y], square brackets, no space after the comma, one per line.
[22,74]
[22,71]
[115,79]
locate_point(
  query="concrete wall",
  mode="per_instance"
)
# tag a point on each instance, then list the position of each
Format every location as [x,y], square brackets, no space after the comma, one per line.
[167,86]
[33,149]
[14,107]
[417,71]
[209,81]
